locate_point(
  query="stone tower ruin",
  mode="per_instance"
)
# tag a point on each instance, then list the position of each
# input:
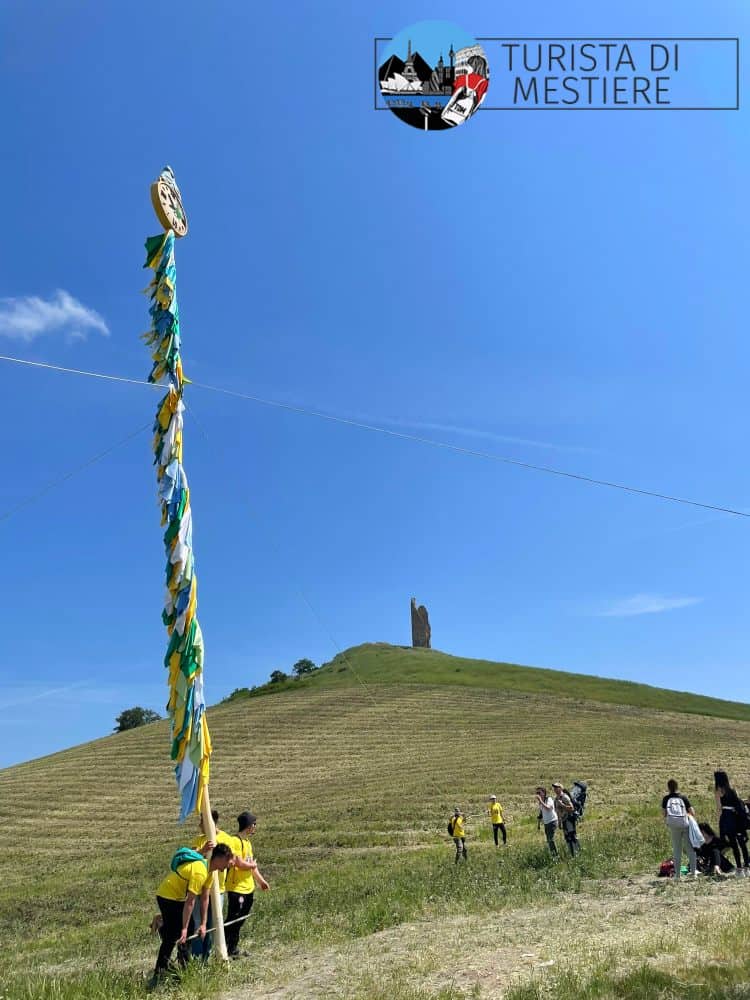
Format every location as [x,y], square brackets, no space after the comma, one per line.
[420,625]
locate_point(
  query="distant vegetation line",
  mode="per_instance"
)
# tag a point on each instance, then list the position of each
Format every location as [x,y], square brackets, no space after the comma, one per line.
[381,663]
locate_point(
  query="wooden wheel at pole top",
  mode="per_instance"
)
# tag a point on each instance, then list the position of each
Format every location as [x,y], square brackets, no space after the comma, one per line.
[167,202]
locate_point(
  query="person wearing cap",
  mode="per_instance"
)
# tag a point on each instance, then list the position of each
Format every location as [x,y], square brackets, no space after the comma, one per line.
[548,816]
[495,812]
[566,817]
[241,881]
[458,832]
[176,897]
[201,948]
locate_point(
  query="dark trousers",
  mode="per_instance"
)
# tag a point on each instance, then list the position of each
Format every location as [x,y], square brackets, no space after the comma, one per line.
[460,843]
[240,904]
[501,828]
[201,947]
[571,836]
[736,839]
[171,929]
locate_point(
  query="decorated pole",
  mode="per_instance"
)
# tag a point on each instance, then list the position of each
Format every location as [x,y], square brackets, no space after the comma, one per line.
[191,742]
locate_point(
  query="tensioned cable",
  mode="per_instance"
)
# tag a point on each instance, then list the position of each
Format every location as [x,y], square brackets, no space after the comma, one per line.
[190,410]
[79,371]
[474,453]
[73,472]
[471,451]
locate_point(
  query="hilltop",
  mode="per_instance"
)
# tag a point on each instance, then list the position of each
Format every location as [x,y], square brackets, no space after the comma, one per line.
[382,663]
[352,772]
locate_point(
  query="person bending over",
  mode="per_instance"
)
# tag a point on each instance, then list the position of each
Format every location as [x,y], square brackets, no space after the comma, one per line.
[176,897]
[711,860]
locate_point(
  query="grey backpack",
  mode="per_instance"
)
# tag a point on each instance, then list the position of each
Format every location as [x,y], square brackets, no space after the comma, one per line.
[677,815]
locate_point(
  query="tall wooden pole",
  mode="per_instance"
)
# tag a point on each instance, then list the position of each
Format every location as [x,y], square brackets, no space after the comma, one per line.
[217,911]
[191,742]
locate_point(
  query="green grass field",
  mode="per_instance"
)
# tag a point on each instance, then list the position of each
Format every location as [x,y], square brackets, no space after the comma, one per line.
[353,772]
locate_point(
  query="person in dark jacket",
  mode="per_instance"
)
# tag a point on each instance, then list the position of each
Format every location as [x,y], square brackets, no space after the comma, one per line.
[711,860]
[732,820]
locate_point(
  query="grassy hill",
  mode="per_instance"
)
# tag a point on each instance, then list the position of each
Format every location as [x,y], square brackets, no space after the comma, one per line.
[381,663]
[352,772]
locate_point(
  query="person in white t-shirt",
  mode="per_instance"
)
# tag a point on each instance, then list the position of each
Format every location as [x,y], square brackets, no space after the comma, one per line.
[548,816]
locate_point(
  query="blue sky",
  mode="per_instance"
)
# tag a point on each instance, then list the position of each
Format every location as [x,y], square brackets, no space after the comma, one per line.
[564,290]
[430,38]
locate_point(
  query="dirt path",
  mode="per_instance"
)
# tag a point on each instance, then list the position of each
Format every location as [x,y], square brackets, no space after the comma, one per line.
[625,921]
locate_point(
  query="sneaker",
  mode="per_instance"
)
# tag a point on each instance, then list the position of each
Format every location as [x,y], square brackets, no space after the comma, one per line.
[739,872]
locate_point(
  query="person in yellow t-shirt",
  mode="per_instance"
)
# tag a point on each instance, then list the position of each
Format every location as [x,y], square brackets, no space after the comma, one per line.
[241,882]
[458,832]
[176,898]
[495,812]
[201,947]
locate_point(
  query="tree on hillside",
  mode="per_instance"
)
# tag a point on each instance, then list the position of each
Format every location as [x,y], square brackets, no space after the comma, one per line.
[303,667]
[131,718]
[278,675]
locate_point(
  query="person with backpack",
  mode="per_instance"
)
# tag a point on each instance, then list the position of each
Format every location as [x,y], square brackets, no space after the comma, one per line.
[241,882]
[676,808]
[201,947]
[495,812]
[567,817]
[733,820]
[457,830]
[189,879]
[548,816]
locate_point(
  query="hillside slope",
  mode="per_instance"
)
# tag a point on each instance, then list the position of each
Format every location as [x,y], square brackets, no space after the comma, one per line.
[352,778]
[381,663]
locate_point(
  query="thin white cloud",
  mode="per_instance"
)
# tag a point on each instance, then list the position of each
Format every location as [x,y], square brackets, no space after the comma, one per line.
[645,604]
[27,318]
[26,695]
[476,432]
[78,693]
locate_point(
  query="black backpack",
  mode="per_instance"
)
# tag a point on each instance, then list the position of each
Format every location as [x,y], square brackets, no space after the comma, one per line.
[578,792]
[450,827]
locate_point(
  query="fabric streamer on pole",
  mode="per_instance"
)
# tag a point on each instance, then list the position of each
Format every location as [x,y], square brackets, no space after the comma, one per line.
[191,742]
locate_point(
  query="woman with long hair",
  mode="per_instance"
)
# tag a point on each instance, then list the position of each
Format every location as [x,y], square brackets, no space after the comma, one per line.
[732,820]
